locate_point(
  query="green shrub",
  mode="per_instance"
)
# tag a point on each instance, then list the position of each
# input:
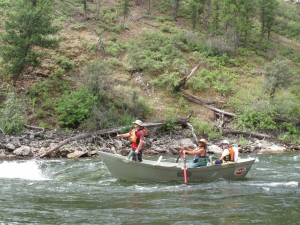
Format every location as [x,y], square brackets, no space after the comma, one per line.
[114,47]
[278,75]
[107,116]
[42,97]
[108,15]
[221,81]
[74,107]
[296,57]
[78,26]
[154,52]
[139,107]
[242,141]
[165,6]
[205,129]
[114,107]
[251,97]
[117,28]
[286,106]
[96,79]
[171,115]
[11,114]
[65,63]
[220,46]
[257,121]
[167,80]
[164,18]
[290,133]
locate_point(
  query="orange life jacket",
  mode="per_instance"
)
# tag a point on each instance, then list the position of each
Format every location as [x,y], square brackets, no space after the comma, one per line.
[134,137]
[230,157]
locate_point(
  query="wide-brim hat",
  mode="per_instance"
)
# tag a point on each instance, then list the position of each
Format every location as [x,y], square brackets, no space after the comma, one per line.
[225,142]
[203,141]
[138,122]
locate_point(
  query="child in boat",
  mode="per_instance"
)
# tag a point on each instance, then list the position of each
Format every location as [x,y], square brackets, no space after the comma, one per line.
[199,154]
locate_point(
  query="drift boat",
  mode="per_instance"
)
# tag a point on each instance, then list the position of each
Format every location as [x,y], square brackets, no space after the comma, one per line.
[156,171]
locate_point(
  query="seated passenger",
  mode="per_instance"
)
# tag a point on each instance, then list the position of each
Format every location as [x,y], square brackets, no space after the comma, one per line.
[227,154]
[199,154]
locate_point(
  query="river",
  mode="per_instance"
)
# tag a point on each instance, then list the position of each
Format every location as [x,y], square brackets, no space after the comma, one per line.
[82,191]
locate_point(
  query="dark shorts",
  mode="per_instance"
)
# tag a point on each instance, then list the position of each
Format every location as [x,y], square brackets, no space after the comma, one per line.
[138,156]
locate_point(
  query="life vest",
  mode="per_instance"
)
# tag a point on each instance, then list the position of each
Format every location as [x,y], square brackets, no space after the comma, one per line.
[135,137]
[230,157]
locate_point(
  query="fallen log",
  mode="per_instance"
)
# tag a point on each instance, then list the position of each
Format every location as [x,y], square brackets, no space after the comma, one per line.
[34,127]
[248,133]
[180,121]
[200,102]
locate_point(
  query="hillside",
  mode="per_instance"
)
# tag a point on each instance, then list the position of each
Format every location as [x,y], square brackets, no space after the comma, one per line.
[134,55]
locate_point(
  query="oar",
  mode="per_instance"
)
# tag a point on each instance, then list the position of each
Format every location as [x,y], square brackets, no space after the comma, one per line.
[180,153]
[184,168]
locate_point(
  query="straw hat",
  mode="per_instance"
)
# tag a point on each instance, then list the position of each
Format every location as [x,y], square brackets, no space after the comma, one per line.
[225,142]
[138,122]
[203,141]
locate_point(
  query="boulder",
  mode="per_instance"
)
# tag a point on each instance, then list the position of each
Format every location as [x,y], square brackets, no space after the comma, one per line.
[23,151]
[16,142]
[187,142]
[214,149]
[273,149]
[10,147]
[2,154]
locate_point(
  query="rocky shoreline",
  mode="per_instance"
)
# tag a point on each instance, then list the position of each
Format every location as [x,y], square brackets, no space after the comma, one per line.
[32,144]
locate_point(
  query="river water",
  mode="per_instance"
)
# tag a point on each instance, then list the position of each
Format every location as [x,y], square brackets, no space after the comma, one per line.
[82,191]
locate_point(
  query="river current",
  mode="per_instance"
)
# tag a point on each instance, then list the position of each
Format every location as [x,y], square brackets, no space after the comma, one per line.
[82,191]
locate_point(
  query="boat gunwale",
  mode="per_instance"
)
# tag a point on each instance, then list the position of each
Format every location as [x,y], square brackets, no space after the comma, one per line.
[176,166]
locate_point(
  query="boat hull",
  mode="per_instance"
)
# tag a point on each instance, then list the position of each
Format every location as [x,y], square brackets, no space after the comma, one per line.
[125,169]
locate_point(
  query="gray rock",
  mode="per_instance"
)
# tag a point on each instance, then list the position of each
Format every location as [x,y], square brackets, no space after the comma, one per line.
[2,154]
[23,151]
[118,144]
[187,142]
[214,149]
[273,149]
[10,147]
[7,138]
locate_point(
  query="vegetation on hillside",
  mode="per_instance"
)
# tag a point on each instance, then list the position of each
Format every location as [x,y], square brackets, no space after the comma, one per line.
[99,64]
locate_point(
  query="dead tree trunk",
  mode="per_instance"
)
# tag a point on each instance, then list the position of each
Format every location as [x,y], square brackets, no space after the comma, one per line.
[98,9]
[149,7]
[251,134]
[186,77]
[85,9]
[176,9]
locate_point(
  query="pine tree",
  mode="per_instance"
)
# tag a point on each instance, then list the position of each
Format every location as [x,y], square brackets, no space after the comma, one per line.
[267,10]
[28,26]
[125,7]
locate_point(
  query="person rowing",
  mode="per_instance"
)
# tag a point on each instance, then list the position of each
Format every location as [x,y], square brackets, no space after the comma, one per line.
[199,154]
